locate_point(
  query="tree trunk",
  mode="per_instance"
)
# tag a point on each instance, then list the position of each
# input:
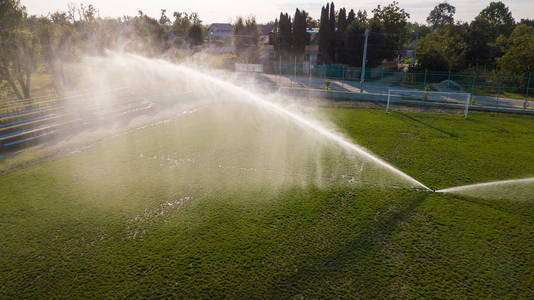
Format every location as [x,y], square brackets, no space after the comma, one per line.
[26,89]
[14,87]
[7,76]
[23,86]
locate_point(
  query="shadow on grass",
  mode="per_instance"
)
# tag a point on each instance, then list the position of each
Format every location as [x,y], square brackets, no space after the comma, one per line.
[350,268]
[451,134]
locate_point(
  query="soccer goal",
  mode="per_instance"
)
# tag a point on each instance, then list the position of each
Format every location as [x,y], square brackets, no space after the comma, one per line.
[418,97]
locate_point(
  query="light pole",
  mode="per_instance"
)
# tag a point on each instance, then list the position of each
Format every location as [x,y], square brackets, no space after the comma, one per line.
[362,78]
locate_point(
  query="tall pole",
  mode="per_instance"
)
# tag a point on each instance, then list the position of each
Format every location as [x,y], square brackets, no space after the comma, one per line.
[295,68]
[525,104]
[280,70]
[362,79]
[415,47]
[309,72]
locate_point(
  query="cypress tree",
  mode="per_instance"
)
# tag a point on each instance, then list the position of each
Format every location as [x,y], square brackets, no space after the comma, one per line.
[332,34]
[351,17]
[300,35]
[323,35]
[340,36]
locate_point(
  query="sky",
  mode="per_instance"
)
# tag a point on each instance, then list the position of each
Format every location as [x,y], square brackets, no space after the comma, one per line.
[224,11]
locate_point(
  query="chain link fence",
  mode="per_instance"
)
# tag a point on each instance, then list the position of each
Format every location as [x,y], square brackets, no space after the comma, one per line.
[488,89]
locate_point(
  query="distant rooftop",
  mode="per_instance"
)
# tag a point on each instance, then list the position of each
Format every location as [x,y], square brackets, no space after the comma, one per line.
[266,29]
[221,26]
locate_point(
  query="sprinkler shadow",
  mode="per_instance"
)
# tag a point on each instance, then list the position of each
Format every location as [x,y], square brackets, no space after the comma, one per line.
[451,134]
[352,261]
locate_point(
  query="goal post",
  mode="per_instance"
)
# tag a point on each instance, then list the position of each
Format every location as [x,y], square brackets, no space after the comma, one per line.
[419,97]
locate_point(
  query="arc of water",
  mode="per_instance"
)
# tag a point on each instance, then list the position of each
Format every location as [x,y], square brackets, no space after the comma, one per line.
[299,120]
[477,185]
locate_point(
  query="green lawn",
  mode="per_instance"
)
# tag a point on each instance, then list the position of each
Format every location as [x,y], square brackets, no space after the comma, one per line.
[229,202]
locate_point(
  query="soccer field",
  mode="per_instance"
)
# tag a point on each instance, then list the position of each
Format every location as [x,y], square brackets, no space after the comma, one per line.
[231,202]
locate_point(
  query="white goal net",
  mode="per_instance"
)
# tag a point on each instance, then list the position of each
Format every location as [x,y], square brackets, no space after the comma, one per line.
[418,97]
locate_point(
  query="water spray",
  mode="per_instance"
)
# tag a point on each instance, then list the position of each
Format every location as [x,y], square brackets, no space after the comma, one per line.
[478,185]
[272,106]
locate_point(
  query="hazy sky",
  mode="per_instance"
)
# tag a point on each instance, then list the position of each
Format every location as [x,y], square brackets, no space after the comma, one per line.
[226,10]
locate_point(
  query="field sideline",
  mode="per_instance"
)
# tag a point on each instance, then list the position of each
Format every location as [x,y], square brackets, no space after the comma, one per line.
[155,213]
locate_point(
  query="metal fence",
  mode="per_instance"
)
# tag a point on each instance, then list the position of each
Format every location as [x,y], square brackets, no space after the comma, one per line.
[488,88]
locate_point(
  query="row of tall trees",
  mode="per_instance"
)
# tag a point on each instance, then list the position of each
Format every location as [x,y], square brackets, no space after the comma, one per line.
[290,35]
[342,35]
[492,41]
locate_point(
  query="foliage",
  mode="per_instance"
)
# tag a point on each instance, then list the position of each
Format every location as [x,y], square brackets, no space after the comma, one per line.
[195,35]
[499,18]
[394,23]
[300,35]
[283,36]
[246,39]
[182,22]
[327,83]
[341,32]
[518,58]
[441,15]
[325,34]
[163,19]
[18,47]
[444,49]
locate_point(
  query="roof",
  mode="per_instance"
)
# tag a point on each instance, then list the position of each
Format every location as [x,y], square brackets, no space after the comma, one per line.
[266,29]
[221,26]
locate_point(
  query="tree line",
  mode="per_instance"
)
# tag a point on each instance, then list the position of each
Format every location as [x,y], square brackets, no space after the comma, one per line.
[493,41]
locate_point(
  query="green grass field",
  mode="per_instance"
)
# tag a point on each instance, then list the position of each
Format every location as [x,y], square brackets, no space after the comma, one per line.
[227,202]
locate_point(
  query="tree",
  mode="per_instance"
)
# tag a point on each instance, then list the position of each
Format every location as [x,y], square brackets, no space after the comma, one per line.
[492,22]
[518,58]
[481,50]
[441,15]
[324,35]
[246,39]
[444,49]
[342,24]
[195,35]
[354,40]
[394,21]
[283,38]
[361,16]
[18,47]
[332,33]
[529,22]
[499,18]
[351,17]
[300,35]
[311,22]
[163,19]
[181,23]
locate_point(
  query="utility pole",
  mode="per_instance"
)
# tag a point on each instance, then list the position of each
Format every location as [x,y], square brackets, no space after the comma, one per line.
[362,79]
[415,47]
[309,71]
[295,68]
[525,104]
[280,71]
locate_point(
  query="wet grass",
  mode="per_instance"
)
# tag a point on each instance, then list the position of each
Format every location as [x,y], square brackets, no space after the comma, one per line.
[445,150]
[151,214]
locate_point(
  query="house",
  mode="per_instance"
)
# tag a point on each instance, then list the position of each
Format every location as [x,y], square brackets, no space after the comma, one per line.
[266,34]
[220,32]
